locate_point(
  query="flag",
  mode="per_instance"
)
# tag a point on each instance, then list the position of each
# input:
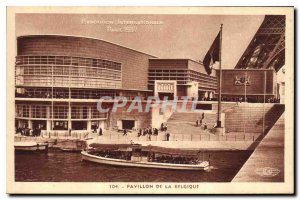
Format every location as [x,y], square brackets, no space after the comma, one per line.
[212,55]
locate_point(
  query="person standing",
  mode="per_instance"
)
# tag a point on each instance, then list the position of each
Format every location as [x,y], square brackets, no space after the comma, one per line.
[205,126]
[140,132]
[168,136]
[100,131]
[39,130]
[197,123]
[203,115]
[150,131]
[162,126]
[156,131]
[124,132]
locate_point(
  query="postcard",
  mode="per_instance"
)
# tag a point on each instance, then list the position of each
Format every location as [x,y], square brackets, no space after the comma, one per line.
[150,100]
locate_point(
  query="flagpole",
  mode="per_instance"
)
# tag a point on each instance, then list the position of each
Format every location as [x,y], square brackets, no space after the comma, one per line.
[265,83]
[220,80]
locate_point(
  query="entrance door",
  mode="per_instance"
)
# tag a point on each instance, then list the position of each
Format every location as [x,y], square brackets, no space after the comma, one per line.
[201,95]
[127,124]
[40,124]
[79,125]
[161,95]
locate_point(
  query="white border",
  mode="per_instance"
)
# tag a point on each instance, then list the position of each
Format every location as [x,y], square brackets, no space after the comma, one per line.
[3,5]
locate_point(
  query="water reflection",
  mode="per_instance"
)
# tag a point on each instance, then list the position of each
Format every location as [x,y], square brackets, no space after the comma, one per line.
[57,166]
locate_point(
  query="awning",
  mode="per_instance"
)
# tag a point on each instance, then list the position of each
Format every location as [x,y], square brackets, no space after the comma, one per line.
[154,149]
[172,151]
[112,147]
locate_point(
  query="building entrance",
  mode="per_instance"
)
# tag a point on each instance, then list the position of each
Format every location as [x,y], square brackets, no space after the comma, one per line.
[162,95]
[201,95]
[127,124]
[40,124]
[60,125]
[79,125]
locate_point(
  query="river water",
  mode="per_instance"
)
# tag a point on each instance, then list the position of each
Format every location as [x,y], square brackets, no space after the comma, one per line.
[57,166]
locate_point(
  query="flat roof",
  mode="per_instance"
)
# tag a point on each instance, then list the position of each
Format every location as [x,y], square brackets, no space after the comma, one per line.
[198,62]
[84,37]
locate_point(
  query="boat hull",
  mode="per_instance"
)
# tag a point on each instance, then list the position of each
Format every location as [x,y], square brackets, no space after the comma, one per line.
[31,148]
[109,161]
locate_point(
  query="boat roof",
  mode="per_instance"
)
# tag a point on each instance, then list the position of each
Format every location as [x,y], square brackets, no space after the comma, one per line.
[155,149]
[112,147]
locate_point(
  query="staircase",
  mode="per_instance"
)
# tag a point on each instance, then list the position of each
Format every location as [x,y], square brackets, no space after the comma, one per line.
[185,122]
[250,117]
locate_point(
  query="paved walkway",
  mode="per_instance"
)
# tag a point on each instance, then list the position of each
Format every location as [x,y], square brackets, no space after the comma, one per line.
[266,164]
[232,141]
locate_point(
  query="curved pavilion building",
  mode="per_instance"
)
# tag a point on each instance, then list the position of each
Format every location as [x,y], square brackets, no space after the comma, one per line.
[60,78]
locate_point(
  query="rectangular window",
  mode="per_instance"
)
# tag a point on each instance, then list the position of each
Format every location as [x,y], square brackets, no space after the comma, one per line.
[60,112]
[97,114]
[39,111]
[22,110]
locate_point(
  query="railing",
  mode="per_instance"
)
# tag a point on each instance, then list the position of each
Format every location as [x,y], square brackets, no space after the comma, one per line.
[73,134]
[62,135]
[118,137]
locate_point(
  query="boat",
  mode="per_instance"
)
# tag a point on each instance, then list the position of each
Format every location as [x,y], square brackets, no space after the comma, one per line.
[31,147]
[71,150]
[146,157]
[75,146]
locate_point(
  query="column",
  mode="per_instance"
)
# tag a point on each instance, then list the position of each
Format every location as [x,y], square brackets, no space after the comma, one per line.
[30,124]
[30,115]
[49,128]
[69,117]
[89,122]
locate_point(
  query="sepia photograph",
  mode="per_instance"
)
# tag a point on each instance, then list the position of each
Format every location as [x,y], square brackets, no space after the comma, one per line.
[150,100]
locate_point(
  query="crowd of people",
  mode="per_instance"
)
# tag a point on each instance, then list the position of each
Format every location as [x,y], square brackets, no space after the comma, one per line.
[29,132]
[112,154]
[200,122]
[243,99]
[63,95]
[148,132]
[160,158]
[97,129]
[175,159]
[46,94]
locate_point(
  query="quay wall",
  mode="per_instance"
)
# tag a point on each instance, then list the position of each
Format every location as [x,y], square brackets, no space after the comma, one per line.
[69,144]
[267,157]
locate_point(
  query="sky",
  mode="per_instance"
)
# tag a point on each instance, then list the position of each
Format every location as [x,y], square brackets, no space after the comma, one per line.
[174,36]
